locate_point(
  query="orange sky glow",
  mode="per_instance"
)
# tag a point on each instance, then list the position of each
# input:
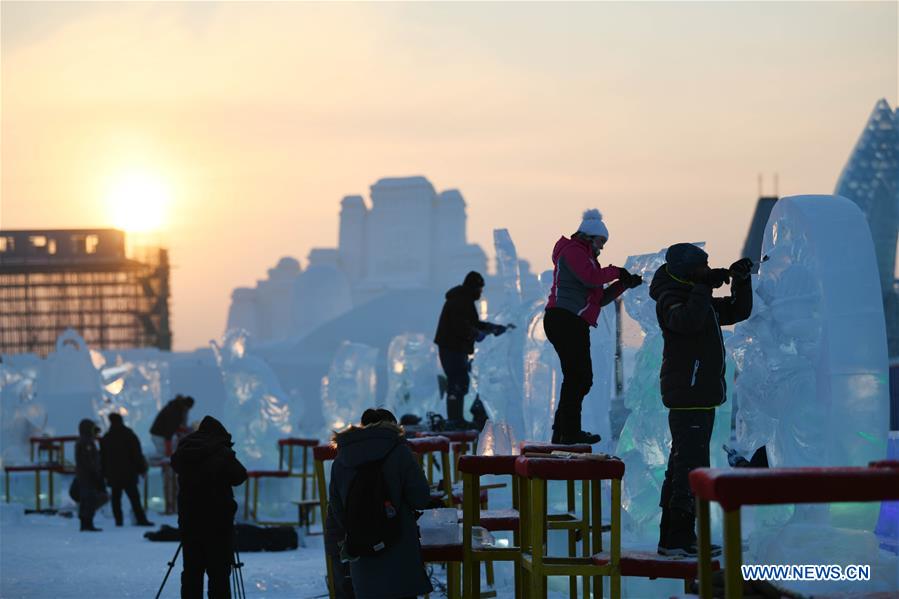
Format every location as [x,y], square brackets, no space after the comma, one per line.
[247,122]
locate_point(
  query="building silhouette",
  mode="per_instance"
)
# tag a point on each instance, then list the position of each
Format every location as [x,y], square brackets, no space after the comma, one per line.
[52,280]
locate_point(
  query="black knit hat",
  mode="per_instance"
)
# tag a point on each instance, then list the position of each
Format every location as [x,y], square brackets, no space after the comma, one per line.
[684,258]
[374,415]
[473,280]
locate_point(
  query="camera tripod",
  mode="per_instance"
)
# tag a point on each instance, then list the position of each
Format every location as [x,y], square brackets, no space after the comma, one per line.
[236,573]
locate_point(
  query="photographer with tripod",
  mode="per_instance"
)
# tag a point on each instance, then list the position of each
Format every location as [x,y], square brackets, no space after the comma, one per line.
[207,468]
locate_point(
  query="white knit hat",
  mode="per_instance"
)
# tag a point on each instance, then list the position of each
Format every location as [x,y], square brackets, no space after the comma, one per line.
[593,225]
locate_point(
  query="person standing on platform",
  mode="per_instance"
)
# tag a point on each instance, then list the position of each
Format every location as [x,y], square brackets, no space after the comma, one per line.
[692,374]
[457,330]
[581,287]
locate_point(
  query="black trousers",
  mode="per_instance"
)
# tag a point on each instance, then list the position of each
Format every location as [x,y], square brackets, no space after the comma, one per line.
[204,555]
[691,434]
[133,498]
[456,366]
[570,336]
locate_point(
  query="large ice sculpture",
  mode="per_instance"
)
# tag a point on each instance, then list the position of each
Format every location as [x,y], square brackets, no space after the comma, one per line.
[134,386]
[412,376]
[645,440]
[256,412]
[70,383]
[350,385]
[813,379]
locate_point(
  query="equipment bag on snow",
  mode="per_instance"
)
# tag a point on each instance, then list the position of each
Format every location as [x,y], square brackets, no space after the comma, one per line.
[372,520]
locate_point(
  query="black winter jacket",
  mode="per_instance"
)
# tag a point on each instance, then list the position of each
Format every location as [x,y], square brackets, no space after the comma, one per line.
[399,570]
[459,324]
[207,469]
[692,374]
[171,417]
[121,455]
[87,460]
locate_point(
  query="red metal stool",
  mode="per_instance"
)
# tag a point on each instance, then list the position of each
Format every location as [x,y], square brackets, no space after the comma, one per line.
[50,469]
[253,477]
[735,488]
[535,472]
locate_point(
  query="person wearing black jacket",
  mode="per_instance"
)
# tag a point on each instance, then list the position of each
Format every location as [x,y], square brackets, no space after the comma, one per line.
[123,463]
[171,417]
[692,374]
[88,475]
[457,330]
[207,468]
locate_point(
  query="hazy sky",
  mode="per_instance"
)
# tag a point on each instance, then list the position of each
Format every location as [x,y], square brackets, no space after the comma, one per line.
[259,117]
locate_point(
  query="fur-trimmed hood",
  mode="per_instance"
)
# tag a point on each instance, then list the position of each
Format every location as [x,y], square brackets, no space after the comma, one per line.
[360,444]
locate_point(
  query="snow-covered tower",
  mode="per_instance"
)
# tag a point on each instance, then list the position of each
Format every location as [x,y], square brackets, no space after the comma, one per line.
[351,237]
[871,180]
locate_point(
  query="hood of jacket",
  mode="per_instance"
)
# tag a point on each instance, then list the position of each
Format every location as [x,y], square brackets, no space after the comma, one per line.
[87,429]
[565,242]
[360,444]
[461,293]
[199,446]
[662,281]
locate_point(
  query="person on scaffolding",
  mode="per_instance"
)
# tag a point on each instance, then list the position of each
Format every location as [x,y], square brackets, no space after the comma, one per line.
[457,330]
[692,373]
[581,287]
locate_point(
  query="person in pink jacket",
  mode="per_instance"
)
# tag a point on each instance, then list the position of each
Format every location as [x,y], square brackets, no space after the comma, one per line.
[581,287]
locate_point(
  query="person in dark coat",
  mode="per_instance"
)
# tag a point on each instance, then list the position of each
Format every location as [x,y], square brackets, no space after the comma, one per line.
[123,463]
[89,475]
[398,571]
[171,418]
[692,374]
[457,330]
[207,468]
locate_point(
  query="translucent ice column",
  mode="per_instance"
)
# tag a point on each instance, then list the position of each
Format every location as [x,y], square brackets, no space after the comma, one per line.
[813,381]
[412,369]
[21,416]
[135,388]
[256,412]
[498,364]
[349,388]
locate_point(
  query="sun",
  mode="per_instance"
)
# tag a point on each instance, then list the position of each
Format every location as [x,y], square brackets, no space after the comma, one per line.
[138,201]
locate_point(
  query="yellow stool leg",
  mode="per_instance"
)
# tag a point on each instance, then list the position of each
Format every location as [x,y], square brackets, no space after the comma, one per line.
[37,489]
[255,500]
[733,555]
[705,550]
[50,487]
[615,541]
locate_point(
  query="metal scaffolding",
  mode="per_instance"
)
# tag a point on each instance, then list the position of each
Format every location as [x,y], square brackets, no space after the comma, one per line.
[81,279]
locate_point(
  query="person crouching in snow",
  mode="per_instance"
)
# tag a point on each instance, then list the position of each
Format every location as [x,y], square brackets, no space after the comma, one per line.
[692,373]
[578,294]
[376,486]
[207,469]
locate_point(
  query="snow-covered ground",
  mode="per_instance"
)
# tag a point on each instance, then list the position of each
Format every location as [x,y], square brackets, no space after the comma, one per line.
[46,556]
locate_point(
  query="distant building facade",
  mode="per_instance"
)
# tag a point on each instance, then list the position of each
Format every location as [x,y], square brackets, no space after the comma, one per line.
[409,237]
[51,280]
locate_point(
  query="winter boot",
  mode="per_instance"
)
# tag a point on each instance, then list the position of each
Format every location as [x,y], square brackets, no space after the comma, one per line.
[663,530]
[680,537]
[87,525]
[579,438]
[580,433]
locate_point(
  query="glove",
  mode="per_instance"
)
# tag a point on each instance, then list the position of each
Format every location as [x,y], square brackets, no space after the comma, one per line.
[624,275]
[716,277]
[632,281]
[480,336]
[498,330]
[740,269]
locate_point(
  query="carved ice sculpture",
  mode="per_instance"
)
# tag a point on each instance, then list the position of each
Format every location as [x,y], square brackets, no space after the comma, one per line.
[256,412]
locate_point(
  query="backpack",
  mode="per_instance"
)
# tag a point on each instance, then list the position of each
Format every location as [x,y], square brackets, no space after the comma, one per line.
[372,521]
